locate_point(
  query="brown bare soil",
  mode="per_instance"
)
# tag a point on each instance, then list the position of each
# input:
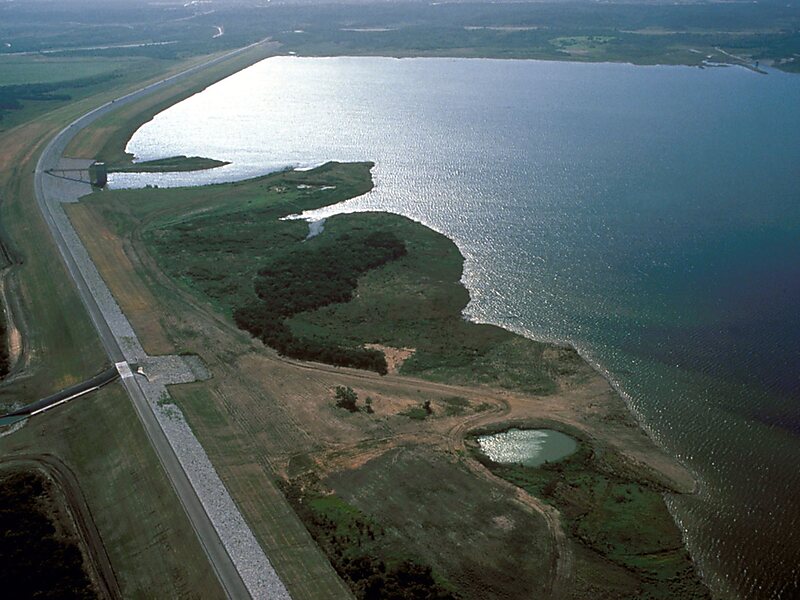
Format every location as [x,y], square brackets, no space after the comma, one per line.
[118,271]
[395,357]
[13,335]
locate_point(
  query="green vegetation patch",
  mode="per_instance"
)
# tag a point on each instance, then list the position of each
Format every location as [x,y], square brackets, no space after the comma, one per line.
[26,80]
[33,69]
[416,413]
[356,547]
[479,540]
[368,278]
[615,514]
[13,96]
[419,413]
[36,559]
[171,165]
[309,276]
[586,45]
[417,302]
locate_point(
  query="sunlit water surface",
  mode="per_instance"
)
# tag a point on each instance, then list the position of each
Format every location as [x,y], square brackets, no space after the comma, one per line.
[531,447]
[649,215]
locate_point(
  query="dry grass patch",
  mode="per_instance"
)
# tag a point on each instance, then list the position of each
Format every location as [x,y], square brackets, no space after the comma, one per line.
[109,256]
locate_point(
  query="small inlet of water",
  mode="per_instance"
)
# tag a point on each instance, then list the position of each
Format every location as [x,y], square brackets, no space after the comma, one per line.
[530,447]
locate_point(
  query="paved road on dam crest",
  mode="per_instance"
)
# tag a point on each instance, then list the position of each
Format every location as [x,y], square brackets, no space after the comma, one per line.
[240,564]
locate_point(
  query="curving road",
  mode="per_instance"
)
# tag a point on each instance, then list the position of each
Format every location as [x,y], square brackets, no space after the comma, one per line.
[211,540]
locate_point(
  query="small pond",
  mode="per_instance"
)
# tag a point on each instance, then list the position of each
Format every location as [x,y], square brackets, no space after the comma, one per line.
[531,447]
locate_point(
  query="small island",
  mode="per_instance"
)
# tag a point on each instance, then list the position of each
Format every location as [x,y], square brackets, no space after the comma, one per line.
[167,165]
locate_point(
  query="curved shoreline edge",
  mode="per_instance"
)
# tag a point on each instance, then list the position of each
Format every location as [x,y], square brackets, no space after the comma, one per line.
[600,371]
[178,206]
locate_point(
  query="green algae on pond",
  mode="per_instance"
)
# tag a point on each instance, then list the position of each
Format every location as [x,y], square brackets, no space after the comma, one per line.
[530,447]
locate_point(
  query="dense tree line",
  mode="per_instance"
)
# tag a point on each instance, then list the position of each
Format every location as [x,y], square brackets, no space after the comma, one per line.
[318,275]
[34,561]
[310,277]
[12,96]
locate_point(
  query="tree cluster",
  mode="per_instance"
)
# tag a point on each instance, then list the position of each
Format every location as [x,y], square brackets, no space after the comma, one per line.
[310,277]
[346,398]
[35,562]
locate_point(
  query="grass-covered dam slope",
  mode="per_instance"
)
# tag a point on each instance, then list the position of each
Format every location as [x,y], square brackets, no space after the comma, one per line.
[367,280]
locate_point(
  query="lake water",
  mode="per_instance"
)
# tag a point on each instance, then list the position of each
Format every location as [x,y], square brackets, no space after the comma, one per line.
[530,447]
[648,215]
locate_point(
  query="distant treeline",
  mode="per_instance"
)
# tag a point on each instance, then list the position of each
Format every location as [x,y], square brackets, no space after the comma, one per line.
[768,29]
[12,96]
[307,278]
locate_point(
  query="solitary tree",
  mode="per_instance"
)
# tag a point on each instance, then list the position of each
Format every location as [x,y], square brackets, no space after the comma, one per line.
[346,398]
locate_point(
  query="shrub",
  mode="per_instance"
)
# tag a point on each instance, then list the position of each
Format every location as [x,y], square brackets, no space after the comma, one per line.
[346,398]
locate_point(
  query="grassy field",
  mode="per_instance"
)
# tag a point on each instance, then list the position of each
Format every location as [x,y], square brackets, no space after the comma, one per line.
[199,252]
[476,536]
[31,86]
[61,347]
[362,551]
[33,69]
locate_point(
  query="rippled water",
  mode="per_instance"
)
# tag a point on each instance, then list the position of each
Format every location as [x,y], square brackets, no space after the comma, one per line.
[531,447]
[649,215]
